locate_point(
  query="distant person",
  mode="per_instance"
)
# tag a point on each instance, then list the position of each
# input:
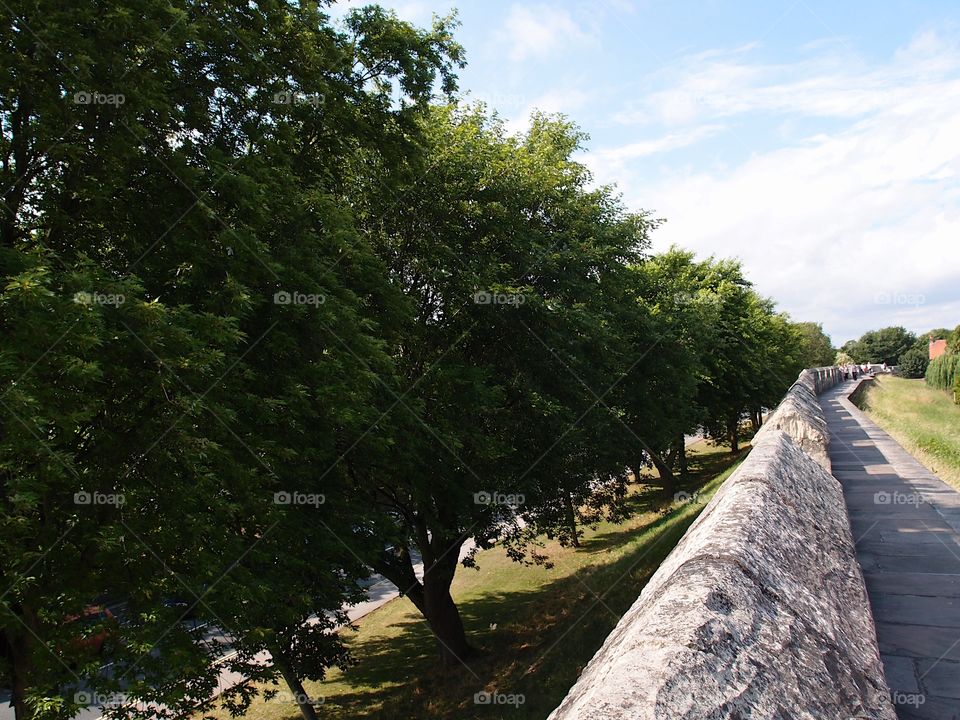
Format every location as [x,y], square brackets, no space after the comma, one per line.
[855,369]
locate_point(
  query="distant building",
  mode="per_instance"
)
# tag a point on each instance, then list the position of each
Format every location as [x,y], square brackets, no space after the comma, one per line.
[937,348]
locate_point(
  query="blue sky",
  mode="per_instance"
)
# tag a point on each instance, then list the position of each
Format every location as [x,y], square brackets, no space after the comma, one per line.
[819,142]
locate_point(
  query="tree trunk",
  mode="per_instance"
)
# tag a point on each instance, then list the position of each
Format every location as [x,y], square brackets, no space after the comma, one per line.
[443,617]
[733,428]
[21,710]
[755,420]
[666,474]
[682,457]
[431,596]
[571,519]
[307,709]
[19,656]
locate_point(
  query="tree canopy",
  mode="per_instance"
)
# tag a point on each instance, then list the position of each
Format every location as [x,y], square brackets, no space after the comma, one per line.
[278,312]
[886,345]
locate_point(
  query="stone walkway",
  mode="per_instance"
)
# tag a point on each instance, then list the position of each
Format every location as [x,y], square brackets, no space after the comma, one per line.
[906,524]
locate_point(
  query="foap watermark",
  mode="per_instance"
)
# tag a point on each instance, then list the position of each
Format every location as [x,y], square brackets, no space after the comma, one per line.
[88,97]
[91,698]
[98,498]
[485,697]
[290,97]
[285,696]
[898,697]
[898,498]
[283,297]
[85,297]
[900,298]
[497,498]
[684,497]
[298,498]
[688,298]
[504,102]
[485,297]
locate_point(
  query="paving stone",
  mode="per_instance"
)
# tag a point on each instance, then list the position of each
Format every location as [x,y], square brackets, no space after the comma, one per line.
[919,584]
[940,678]
[938,610]
[929,708]
[924,517]
[919,641]
[906,525]
[872,546]
[939,563]
[901,673]
[863,522]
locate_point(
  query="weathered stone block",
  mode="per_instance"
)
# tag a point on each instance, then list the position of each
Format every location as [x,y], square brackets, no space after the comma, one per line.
[760,612]
[800,416]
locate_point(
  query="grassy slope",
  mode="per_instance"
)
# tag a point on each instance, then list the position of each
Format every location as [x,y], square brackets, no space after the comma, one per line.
[924,420]
[535,627]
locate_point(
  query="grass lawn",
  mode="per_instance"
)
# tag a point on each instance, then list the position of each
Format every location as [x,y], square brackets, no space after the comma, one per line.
[924,420]
[535,628]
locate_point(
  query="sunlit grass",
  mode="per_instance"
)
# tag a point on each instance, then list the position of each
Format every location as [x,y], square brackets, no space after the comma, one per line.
[922,419]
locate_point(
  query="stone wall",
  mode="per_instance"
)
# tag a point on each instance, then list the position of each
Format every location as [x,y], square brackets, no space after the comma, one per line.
[760,611]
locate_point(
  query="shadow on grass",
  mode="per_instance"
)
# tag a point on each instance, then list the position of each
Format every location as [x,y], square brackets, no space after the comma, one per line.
[532,643]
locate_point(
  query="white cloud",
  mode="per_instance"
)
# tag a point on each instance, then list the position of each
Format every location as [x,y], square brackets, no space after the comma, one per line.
[539,31]
[665,143]
[858,227]
[566,101]
[836,85]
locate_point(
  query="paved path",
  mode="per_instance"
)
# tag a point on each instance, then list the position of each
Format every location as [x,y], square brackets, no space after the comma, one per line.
[906,524]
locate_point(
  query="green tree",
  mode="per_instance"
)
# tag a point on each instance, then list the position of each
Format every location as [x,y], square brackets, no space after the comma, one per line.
[169,172]
[843,358]
[817,351]
[854,350]
[667,339]
[942,372]
[754,358]
[953,341]
[913,363]
[511,262]
[724,391]
[936,334]
[881,346]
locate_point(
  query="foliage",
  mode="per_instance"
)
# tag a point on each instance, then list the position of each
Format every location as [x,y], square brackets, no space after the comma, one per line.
[843,358]
[666,341]
[515,270]
[754,356]
[533,623]
[816,349]
[270,319]
[913,363]
[886,345]
[166,173]
[942,372]
[953,340]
